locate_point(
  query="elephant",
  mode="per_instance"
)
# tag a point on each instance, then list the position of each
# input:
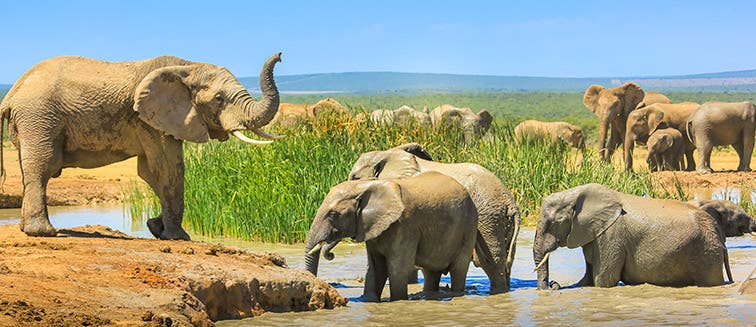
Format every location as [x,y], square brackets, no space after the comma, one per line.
[652,97]
[665,150]
[612,106]
[81,112]
[552,131]
[641,123]
[732,219]
[498,214]
[403,115]
[723,123]
[470,123]
[291,114]
[630,239]
[428,220]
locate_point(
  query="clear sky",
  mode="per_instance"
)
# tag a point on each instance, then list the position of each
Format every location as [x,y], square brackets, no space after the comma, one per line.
[529,38]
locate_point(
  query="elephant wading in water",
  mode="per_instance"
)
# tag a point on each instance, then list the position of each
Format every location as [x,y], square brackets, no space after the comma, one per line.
[552,131]
[472,125]
[641,123]
[630,239]
[80,112]
[498,215]
[723,123]
[427,220]
[665,150]
[612,106]
[732,219]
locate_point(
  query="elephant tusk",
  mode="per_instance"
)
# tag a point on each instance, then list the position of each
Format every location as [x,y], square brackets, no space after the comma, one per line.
[245,139]
[268,136]
[544,260]
[316,248]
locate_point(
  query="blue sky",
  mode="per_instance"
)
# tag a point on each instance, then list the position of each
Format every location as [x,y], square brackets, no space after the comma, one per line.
[527,38]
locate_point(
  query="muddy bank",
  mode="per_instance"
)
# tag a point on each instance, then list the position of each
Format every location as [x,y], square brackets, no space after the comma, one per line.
[93,275]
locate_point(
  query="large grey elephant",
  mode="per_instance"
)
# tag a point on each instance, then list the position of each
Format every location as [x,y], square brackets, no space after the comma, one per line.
[404,115]
[80,112]
[552,131]
[641,123]
[723,123]
[651,97]
[666,148]
[498,214]
[630,239]
[471,124]
[427,220]
[612,106]
[732,219]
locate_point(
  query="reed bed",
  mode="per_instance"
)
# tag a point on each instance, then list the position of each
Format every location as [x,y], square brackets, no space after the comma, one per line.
[271,193]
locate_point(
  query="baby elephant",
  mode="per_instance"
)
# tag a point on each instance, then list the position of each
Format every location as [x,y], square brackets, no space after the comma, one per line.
[550,131]
[428,221]
[630,239]
[732,219]
[666,150]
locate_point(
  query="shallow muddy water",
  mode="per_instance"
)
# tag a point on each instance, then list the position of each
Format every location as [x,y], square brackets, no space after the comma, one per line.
[618,306]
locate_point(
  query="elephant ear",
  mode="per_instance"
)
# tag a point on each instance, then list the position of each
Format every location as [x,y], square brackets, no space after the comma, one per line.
[596,208]
[415,149]
[485,119]
[591,97]
[379,206]
[632,95]
[668,141]
[655,118]
[164,102]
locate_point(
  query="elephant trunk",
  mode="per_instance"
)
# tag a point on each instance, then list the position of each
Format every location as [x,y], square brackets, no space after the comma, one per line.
[543,244]
[312,261]
[628,151]
[261,113]
[603,149]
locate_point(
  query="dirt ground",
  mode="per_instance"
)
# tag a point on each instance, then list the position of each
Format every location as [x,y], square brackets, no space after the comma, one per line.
[91,275]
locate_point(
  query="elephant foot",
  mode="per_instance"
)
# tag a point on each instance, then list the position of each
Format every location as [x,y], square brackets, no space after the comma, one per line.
[155,225]
[38,227]
[554,286]
[704,171]
[747,169]
[179,234]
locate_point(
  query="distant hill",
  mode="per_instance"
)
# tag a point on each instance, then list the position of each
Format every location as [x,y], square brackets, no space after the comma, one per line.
[411,83]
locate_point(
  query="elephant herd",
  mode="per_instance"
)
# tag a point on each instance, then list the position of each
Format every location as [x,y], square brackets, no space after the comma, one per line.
[413,212]
[629,115]
[409,210]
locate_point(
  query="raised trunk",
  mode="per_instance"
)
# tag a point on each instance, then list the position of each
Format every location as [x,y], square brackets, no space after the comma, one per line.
[261,113]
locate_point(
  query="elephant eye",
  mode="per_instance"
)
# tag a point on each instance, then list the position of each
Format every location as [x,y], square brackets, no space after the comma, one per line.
[219,99]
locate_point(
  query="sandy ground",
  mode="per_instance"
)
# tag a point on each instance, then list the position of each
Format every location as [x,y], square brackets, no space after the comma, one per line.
[96,276]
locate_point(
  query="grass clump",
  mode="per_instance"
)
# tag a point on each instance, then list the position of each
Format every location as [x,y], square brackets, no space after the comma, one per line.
[271,193]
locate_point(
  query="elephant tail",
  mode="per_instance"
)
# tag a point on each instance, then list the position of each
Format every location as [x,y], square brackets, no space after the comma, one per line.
[4,115]
[513,242]
[688,127]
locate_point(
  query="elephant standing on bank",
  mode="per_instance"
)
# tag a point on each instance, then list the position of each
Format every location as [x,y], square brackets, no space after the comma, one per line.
[612,106]
[427,220]
[723,123]
[630,239]
[498,215]
[472,125]
[666,148]
[641,123]
[80,112]
[552,131]
[732,219]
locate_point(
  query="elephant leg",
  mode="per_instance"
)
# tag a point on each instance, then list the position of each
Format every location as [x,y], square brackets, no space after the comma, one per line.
[162,167]
[375,278]
[491,255]
[38,163]
[615,140]
[607,265]
[691,162]
[704,155]
[746,151]
[412,276]
[432,280]
[458,272]
[398,265]
[588,251]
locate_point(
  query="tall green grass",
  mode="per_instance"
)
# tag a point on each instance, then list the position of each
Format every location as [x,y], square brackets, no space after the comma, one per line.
[271,193]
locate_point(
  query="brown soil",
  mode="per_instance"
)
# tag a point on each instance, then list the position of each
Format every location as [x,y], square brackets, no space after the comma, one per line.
[96,276]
